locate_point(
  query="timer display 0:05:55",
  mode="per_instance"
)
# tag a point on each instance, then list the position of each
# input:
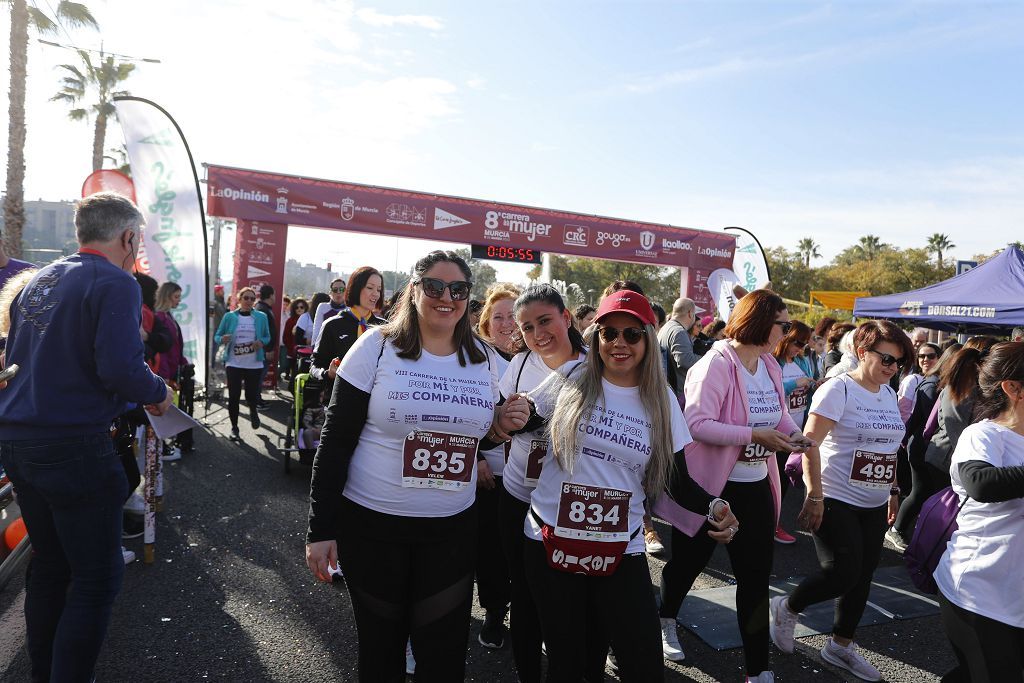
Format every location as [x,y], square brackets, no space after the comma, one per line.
[500,253]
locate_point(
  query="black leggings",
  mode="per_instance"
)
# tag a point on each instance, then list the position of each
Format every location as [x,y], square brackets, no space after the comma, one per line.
[418,584]
[987,650]
[524,624]
[492,583]
[621,605]
[926,480]
[848,543]
[251,379]
[750,555]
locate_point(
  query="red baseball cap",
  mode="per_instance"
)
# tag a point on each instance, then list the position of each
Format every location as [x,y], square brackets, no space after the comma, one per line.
[625,301]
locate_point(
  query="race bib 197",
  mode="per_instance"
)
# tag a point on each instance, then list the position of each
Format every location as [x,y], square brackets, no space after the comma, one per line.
[873,470]
[593,512]
[797,400]
[438,460]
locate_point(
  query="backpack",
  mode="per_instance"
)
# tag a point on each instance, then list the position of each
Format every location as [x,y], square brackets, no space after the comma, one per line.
[935,526]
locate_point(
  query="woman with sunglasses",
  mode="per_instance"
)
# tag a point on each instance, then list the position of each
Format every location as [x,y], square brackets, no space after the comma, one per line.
[616,435]
[738,414]
[851,491]
[798,383]
[327,310]
[553,344]
[394,477]
[246,332]
[925,358]
[340,331]
[978,576]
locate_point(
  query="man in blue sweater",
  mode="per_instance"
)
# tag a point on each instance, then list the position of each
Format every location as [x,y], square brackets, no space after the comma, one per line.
[75,335]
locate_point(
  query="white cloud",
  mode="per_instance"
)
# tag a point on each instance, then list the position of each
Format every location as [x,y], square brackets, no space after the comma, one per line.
[372,17]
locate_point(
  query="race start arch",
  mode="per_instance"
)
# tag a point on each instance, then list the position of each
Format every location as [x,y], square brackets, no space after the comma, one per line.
[264,204]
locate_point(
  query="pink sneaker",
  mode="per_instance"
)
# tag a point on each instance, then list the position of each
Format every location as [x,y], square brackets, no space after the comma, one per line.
[782,537]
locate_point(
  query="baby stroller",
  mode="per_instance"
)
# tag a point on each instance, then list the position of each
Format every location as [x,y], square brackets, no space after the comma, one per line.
[302,433]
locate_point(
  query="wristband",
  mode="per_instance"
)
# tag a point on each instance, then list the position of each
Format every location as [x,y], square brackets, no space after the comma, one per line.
[894,491]
[820,499]
[711,508]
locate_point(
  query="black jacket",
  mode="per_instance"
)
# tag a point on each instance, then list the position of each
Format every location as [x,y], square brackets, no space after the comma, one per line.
[337,336]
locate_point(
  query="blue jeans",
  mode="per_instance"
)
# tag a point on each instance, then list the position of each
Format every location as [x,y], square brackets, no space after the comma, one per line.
[70,491]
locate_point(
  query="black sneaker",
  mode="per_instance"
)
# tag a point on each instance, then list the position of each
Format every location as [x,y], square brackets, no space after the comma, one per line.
[262,405]
[254,419]
[132,527]
[234,434]
[492,633]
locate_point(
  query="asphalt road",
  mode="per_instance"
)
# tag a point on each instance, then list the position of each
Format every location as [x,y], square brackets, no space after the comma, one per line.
[229,596]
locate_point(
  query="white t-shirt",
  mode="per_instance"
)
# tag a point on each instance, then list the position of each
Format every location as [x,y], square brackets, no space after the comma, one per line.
[981,568]
[798,398]
[614,452]
[908,394]
[496,456]
[527,371]
[764,409]
[324,311]
[858,457]
[416,456]
[243,349]
[305,323]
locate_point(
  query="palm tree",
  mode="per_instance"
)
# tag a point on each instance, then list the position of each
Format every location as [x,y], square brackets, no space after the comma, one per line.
[939,243]
[103,79]
[808,249]
[23,16]
[870,245]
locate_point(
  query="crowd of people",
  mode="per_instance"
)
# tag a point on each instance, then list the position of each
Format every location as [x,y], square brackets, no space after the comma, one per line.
[501,439]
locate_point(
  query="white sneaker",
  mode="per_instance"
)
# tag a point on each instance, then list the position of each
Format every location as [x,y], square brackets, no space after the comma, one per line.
[670,646]
[781,623]
[128,555]
[896,539]
[848,658]
[136,504]
[172,455]
[763,677]
[410,661]
[653,542]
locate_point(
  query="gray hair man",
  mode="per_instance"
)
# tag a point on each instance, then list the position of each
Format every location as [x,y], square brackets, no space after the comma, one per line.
[75,334]
[919,336]
[674,338]
[1017,334]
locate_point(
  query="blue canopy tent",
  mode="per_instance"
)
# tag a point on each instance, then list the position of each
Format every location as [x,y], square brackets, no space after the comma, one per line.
[984,300]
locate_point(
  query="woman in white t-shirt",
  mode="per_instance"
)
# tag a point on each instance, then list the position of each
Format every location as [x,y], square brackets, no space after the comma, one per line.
[245,332]
[553,344]
[394,478]
[852,496]
[616,436]
[926,358]
[979,576]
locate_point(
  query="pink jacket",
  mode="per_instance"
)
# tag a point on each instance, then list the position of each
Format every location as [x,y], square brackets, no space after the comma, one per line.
[716,414]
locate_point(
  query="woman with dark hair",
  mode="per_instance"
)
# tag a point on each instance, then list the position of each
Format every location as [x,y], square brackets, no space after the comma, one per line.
[584,556]
[156,337]
[304,325]
[394,478]
[339,332]
[553,344]
[852,496]
[982,606]
[246,332]
[296,310]
[737,412]
[584,315]
[174,367]
[833,353]
[714,330]
[798,384]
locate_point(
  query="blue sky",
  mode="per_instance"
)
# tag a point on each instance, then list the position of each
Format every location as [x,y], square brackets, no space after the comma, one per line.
[791,119]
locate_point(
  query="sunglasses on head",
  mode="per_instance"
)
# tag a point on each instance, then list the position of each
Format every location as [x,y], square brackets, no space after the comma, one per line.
[434,288]
[888,360]
[632,335]
[786,326]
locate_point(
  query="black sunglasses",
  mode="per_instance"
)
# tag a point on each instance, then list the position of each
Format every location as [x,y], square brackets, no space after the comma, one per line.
[337,290]
[927,356]
[632,335]
[248,298]
[434,288]
[786,326]
[888,360]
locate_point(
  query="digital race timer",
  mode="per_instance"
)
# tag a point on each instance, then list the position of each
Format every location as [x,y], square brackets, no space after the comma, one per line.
[509,254]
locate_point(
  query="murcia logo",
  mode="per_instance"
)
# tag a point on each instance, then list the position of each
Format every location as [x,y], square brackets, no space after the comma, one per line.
[348,208]
[577,235]
[282,205]
[646,240]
